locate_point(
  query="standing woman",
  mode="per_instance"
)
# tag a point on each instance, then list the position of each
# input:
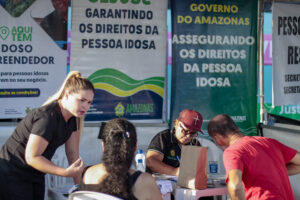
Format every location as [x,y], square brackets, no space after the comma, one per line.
[114,175]
[25,158]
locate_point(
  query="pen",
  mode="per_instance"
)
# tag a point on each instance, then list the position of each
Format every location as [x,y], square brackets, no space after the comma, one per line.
[178,158]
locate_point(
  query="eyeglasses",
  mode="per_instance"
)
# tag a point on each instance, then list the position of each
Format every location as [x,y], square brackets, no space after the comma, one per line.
[187,132]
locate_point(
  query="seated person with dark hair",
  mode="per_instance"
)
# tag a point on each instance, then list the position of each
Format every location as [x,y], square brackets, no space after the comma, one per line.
[114,175]
[256,167]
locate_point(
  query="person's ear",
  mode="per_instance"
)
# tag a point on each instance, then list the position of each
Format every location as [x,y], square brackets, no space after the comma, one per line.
[102,144]
[67,93]
[220,139]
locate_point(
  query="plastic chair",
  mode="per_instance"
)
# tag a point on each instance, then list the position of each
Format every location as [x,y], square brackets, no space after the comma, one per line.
[89,195]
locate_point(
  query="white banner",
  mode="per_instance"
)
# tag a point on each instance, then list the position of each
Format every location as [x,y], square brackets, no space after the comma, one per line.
[32,65]
[286,54]
[122,47]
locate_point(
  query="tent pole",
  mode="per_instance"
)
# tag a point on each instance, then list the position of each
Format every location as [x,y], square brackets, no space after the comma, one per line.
[261,59]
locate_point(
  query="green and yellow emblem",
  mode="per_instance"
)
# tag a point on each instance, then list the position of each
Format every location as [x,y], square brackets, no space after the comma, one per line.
[172,152]
[119,110]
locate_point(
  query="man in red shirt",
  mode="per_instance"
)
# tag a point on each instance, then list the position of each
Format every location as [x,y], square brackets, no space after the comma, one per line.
[256,167]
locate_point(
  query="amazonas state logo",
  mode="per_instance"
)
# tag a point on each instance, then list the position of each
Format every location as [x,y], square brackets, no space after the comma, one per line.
[119,110]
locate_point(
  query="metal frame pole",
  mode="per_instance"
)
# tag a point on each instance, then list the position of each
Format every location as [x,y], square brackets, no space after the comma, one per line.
[261,59]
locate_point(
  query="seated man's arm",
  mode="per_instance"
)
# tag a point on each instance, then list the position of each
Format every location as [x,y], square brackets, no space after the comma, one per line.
[235,185]
[293,167]
[154,161]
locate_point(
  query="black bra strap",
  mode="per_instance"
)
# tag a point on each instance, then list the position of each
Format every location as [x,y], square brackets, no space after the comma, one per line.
[133,178]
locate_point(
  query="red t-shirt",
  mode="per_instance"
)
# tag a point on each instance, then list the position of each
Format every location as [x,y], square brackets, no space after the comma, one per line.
[263,164]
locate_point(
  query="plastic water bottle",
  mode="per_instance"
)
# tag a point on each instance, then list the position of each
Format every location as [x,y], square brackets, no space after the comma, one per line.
[140,165]
[140,161]
[213,167]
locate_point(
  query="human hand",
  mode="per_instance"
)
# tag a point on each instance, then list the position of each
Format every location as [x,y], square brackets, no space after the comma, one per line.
[75,168]
[177,171]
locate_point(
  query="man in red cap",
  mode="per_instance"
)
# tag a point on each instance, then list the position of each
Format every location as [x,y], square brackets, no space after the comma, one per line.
[164,151]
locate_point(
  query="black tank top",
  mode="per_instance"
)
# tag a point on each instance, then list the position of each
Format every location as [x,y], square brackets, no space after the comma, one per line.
[95,187]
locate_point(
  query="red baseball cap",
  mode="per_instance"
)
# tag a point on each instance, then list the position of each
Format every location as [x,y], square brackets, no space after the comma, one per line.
[191,119]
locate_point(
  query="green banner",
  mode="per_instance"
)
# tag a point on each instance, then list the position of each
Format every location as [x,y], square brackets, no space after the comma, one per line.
[215,60]
[288,111]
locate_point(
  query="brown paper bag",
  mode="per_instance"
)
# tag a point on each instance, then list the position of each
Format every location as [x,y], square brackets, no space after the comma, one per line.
[193,167]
